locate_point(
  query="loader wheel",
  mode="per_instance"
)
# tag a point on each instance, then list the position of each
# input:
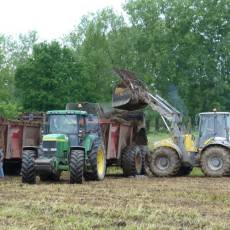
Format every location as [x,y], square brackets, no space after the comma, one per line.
[215,162]
[76,166]
[185,169]
[132,161]
[165,162]
[28,167]
[97,160]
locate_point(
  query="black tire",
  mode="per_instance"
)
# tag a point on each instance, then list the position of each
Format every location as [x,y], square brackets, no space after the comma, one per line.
[165,162]
[76,166]
[185,169]
[98,171]
[28,168]
[215,161]
[148,158]
[144,152]
[131,161]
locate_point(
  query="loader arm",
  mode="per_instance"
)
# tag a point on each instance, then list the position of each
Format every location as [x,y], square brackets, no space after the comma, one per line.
[132,94]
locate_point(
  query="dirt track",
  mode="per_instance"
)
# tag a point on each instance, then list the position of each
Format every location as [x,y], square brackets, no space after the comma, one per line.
[117,203]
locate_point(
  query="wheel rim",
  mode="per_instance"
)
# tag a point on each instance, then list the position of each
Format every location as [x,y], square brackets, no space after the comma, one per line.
[138,163]
[215,163]
[100,162]
[162,162]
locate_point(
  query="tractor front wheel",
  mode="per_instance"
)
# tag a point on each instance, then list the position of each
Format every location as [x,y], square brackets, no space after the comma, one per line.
[165,162]
[97,160]
[215,162]
[28,167]
[76,166]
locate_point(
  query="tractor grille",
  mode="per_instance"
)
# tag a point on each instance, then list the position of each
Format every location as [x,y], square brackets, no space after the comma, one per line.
[49,148]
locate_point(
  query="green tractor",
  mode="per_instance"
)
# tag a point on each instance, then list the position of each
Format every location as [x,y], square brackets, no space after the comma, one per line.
[67,145]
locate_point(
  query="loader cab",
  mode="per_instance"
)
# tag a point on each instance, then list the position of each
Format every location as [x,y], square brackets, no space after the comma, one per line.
[213,125]
[71,123]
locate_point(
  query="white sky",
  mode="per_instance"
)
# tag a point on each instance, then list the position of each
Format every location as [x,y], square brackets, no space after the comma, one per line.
[50,18]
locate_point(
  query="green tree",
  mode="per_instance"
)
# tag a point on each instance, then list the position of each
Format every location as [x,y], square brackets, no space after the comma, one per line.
[50,78]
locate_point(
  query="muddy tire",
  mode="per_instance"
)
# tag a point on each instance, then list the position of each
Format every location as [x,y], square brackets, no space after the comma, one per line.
[97,159]
[144,152]
[165,162]
[185,169]
[215,162]
[28,168]
[131,161]
[76,166]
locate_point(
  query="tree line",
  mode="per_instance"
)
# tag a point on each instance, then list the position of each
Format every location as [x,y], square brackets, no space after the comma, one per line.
[180,49]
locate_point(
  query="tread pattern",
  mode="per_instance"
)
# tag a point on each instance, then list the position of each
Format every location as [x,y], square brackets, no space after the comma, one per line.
[76,166]
[93,160]
[174,162]
[216,151]
[28,168]
[128,160]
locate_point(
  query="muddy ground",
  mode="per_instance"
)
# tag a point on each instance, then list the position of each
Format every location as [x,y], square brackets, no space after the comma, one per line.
[117,203]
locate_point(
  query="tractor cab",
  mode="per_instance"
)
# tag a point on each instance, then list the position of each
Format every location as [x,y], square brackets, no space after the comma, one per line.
[70,123]
[213,125]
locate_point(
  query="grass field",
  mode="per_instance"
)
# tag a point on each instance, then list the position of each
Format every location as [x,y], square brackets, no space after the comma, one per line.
[117,203]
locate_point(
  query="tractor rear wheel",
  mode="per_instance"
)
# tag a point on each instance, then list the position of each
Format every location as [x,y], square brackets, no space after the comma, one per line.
[185,169]
[132,161]
[165,162]
[76,166]
[28,167]
[215,162]
[97,158]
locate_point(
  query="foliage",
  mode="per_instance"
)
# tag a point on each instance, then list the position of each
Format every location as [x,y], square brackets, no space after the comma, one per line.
[179,48]
[49,78]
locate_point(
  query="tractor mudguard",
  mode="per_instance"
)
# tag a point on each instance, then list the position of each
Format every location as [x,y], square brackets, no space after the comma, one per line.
[216,141]
[167,143]
[34,148]
[88,142]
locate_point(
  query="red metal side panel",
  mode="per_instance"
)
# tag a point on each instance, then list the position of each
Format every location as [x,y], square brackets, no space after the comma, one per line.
[113,141]
[14,141]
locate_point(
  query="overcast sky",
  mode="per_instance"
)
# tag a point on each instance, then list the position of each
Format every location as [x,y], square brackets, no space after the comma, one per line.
[50,18]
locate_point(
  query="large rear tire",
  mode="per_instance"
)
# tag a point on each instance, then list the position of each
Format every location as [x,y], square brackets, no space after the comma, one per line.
[97,158]
[215,162]
[132,161]
[165,162]
[76,166]
[28,167]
